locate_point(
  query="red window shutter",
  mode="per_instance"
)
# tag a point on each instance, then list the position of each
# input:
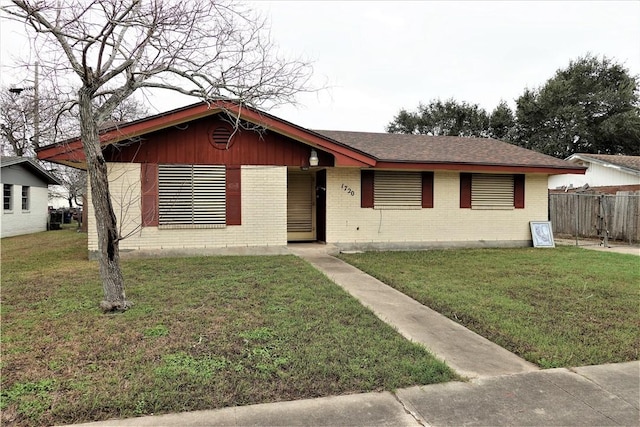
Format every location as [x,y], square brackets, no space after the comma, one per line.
[518,191]
[366,188]
[465,191]
[427,189]
[149,176]
[234,195]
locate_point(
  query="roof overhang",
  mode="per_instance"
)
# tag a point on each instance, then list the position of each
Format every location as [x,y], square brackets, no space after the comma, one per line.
[479,167]
[34,168]
[575,158]
[71,152]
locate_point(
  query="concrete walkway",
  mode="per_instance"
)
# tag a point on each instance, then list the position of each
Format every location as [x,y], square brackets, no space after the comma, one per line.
[503,390]
[595,246]
[466,352]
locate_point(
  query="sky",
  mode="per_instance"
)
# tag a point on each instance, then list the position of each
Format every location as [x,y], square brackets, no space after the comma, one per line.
[372,59]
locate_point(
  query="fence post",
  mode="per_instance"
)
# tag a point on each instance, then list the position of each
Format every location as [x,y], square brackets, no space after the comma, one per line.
[577,213]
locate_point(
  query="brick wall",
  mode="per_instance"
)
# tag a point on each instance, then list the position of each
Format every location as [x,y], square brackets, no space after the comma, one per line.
[264,215]
[446,222]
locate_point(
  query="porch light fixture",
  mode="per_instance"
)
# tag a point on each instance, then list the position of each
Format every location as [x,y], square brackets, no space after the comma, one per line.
[313,159]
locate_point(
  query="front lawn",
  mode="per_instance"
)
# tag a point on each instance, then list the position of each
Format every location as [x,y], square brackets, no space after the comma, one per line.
[204,333]
[554,307]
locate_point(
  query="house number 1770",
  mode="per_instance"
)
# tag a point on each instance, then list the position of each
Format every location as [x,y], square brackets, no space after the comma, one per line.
[348,190]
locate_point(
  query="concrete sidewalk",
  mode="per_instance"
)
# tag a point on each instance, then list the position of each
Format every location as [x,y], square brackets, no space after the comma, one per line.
[503,388]
[605,395]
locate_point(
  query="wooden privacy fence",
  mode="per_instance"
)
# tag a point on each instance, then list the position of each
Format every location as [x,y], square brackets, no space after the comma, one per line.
[595,215]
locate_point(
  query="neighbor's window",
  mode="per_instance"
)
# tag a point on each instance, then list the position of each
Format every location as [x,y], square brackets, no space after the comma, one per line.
[7,195]
[191,196]
[25,197]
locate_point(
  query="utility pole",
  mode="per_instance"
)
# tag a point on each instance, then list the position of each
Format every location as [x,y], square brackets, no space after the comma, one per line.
[36,108]
[36,105]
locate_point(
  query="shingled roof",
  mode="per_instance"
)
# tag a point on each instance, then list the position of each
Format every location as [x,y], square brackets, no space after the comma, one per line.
[631,163]
[349,149]
[403,148]
[31,165]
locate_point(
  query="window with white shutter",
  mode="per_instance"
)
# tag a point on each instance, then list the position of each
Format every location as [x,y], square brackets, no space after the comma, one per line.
[191,196]
[397,190]
[492,191]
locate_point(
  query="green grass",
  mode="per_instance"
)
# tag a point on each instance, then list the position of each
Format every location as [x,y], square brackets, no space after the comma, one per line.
[554,307]
[204,333]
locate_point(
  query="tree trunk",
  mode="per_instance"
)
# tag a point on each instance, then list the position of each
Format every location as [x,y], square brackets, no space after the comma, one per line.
[108,242]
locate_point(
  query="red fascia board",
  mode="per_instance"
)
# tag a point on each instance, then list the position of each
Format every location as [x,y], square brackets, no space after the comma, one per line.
[128,131]
[466,167]
[345,156]
[344,161]
[71,152]
[73,149]
[156,123]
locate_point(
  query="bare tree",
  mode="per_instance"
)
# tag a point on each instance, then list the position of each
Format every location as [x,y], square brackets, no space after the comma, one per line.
[32,113]
[129,109]
[14,112]
[214,50]
[74,182]
[21,137]
[20,109]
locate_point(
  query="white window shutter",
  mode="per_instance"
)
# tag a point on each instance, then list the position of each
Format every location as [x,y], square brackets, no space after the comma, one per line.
[491,191]
[191,194]
[397,190]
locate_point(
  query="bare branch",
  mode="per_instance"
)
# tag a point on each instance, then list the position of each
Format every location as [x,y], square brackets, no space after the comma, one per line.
[98,53]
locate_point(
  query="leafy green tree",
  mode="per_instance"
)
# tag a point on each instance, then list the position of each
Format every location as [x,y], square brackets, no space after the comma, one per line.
[501,122]
[592,106]
[446,118]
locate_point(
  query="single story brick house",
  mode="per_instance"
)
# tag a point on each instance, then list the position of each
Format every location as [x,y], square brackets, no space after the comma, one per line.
[25,196]
[186,181]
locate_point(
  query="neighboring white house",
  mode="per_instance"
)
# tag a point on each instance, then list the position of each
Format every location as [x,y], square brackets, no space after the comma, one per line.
[24,196]
[603,170]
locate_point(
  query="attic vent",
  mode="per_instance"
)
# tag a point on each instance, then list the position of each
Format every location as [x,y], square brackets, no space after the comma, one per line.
[220,137]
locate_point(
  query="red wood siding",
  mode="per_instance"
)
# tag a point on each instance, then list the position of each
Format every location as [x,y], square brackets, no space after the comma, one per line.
[427,189]
[518,191]
[234,196]
[366,188]
[465,191]
[149,172]
[190,144]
